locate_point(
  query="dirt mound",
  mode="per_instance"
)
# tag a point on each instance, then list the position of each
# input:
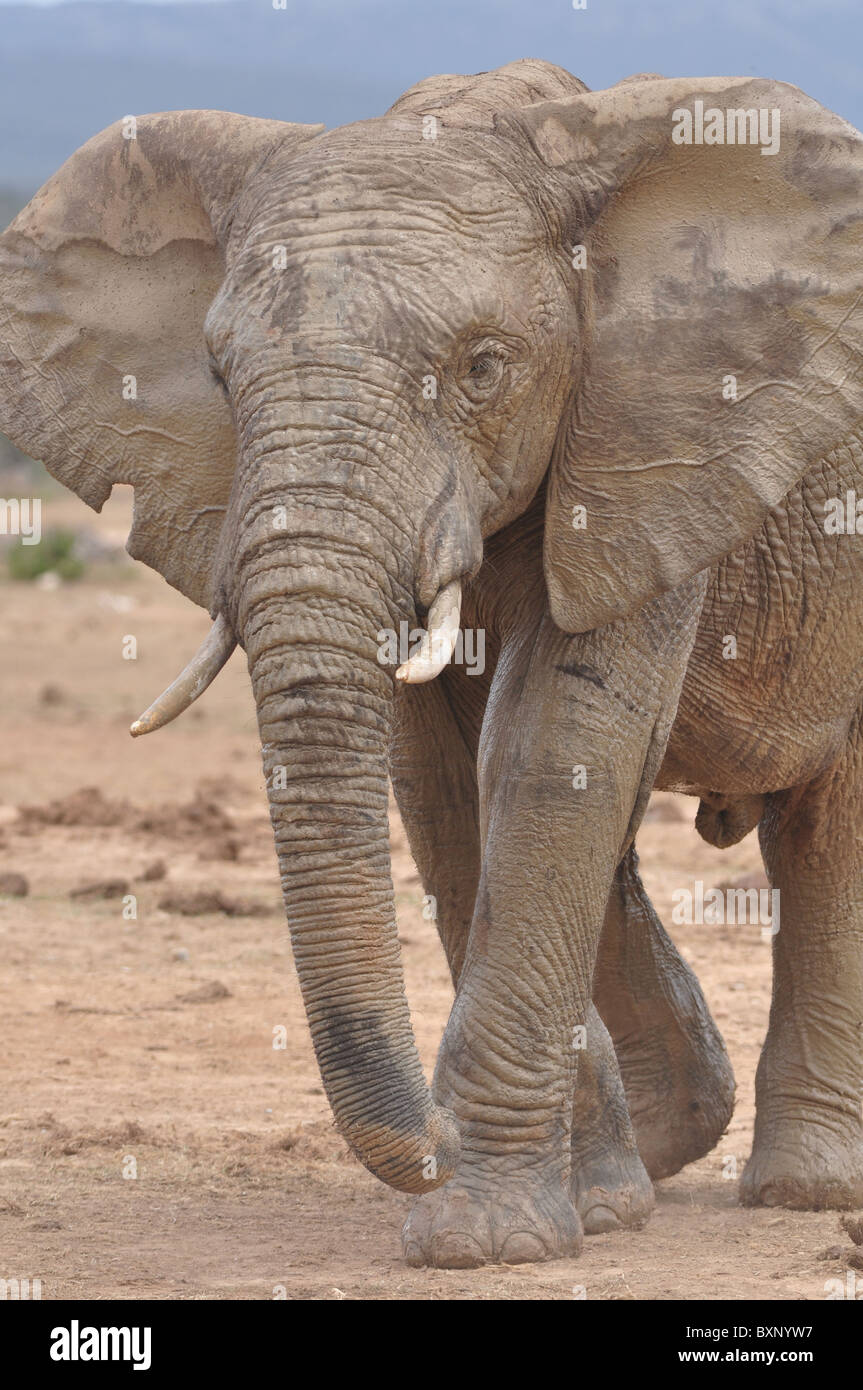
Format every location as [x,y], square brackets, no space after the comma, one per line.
[104,889]
[14,886]
[155,872]
[202,819]
[60,1139]
[205,900]
[314,1141]
[88,807]
[207,994]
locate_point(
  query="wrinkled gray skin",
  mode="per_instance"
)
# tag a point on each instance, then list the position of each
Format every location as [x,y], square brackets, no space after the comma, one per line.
[406,258]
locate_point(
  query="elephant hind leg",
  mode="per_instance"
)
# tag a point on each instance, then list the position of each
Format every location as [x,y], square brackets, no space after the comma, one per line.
[610,1186]
[676,1073]
[808,1144]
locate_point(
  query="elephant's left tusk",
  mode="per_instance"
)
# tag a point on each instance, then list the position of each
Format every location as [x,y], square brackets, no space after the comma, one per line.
[438,642]
[192,682]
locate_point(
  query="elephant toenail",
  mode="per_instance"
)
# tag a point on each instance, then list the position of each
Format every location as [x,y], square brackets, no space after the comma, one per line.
[522,1247]
[770,1196]
[455,1250]
[600,1219]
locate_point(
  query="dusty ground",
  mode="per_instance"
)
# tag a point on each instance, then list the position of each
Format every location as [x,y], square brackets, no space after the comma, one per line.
[146,1045]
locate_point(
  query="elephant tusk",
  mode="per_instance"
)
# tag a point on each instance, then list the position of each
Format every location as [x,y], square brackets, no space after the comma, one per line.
[192,682]
[438,641]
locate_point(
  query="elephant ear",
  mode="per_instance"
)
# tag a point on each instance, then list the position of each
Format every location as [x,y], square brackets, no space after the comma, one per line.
[722,307]
[105,280]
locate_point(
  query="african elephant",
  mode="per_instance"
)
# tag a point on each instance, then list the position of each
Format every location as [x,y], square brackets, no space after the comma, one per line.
[578,371]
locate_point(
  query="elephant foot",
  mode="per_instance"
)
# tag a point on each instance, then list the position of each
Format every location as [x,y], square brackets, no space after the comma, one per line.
[462,1226]
[611,1192]
[680,1097]
[806,1168]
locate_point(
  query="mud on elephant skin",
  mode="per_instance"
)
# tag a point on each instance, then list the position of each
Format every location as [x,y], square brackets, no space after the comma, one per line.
[479,378]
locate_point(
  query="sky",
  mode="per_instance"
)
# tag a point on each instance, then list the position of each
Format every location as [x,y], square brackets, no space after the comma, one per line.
[48,4]
[69,68]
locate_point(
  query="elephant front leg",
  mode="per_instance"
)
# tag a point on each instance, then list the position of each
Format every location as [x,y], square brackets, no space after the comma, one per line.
[569,748]
[433,758]
[609,1183]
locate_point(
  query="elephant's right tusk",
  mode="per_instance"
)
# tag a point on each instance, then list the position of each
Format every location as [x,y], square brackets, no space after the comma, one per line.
[192,682]
[438,641]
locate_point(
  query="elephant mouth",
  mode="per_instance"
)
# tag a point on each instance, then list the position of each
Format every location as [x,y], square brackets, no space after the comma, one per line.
[434,653]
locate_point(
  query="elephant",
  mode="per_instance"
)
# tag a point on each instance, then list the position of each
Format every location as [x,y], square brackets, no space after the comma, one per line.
[578,371]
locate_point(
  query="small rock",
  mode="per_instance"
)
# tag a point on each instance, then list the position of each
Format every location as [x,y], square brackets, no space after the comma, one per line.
[13,886]
[51,695]
[180,953]
[225,848]
[853,1226]
[154,872]
[207,994]
[103,889]
[198,904]
[833,1252]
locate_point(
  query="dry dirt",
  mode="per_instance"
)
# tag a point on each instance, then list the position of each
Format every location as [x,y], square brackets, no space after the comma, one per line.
[146,1046]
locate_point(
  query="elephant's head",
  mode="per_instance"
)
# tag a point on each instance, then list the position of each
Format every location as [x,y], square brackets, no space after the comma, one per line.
[331,363]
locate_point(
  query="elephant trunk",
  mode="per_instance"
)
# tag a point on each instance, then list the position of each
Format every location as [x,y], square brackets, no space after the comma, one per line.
[324,709]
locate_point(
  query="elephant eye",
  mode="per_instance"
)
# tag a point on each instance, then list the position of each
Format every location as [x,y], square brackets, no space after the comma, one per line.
[483,365]
[484,374]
